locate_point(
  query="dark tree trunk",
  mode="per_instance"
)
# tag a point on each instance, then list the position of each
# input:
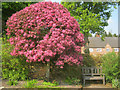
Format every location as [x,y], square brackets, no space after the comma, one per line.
[48,71]
[86,45]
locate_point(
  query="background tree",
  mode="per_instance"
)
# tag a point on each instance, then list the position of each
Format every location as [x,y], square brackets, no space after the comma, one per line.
[114,35]
[92,16]
[109,34]
[105,34]
[90,35]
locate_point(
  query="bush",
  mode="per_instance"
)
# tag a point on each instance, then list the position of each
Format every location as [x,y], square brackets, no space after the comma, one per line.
[73,72]
[72,81]
[49,84]
[13,68]
[43,31]
[90,60]
[31,84]
[12,82]
[110,65]
[116,83]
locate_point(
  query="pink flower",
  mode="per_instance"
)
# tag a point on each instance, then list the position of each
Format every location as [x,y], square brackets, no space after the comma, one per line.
[54,25]
[44,31]
[61,66]
[27,60]
[59,19]
[47,60]
[39,60]
[24,34]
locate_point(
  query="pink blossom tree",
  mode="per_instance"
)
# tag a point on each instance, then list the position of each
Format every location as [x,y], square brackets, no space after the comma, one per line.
[44,30]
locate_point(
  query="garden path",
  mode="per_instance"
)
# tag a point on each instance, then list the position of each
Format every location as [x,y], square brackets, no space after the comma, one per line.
[20,84]
[98,86]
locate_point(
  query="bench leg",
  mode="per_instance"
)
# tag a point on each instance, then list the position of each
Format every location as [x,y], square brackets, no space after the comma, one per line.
[84,82]
[103,79]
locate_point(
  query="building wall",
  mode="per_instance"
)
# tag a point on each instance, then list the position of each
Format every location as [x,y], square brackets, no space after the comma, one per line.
[82,50]
[104,50]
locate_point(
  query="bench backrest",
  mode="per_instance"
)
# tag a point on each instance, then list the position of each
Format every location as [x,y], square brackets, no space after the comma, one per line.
[91,71]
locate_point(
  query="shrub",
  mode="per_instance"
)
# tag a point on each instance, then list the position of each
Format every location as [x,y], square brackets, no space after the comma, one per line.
[110,65]
[13,68]
[49,84]
[31,84]
[43,31]
[72,81]
[12,82]
[73,72]
[116,83]
[90,60]
[55,82]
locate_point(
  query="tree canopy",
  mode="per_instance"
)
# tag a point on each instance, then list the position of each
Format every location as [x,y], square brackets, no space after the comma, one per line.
[92,16]
[44,31]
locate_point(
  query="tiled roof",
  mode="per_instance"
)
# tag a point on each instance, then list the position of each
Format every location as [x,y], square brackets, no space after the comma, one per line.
[96,42]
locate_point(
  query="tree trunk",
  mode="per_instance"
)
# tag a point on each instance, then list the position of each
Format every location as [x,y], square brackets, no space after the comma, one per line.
[48,71]
[86,45]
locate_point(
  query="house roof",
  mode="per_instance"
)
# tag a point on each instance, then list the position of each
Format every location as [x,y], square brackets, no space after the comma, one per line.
[96,42]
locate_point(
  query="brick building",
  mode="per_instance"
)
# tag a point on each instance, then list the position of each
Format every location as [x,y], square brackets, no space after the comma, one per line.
[98,46]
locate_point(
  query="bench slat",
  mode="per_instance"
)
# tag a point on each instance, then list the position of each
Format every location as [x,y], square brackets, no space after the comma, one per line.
[91,74]
[93,78]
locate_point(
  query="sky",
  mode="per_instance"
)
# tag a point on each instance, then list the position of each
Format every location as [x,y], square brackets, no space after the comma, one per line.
[112,22]
[119,20]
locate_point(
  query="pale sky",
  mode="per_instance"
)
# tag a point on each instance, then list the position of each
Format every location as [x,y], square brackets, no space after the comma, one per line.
[119,20]
[112,22]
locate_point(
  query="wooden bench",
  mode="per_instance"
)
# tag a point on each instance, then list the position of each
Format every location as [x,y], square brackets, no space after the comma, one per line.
[92,73]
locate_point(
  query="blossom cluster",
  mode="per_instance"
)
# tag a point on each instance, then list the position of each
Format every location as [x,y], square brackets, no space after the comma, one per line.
[44,30]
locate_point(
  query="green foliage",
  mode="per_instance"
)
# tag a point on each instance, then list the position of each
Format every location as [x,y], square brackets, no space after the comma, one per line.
[69,74]
[55,82]
[115,35]
[90,60]
[68,71]
[109,34]
[87,51]
[12,82]
[89,35]
[110,65]
[13,68]
[116,83]
[31,84]
[72,81]
[50,84]
[92,16]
